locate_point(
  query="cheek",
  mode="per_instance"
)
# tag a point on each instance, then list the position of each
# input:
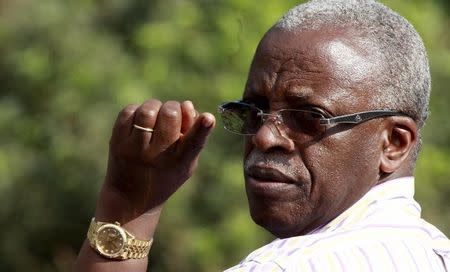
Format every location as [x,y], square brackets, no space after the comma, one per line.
[350,153]
[343,167]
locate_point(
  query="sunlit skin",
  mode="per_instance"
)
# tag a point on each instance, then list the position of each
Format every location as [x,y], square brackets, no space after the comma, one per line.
[326,174]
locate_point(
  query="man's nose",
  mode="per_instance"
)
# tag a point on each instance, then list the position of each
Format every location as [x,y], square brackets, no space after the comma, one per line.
[271,136]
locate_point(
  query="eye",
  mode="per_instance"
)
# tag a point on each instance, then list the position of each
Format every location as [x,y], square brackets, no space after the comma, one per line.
[317,112]
[304,121]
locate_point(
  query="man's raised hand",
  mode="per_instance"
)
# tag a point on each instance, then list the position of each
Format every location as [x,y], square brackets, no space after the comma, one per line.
[146,167]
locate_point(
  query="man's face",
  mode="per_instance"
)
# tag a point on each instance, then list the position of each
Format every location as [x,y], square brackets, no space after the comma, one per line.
[296,182]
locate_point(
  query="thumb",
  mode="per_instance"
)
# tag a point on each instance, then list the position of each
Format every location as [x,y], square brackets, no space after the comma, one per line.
[195,139]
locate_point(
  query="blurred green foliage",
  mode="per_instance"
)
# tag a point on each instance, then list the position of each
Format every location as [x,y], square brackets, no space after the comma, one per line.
[68,67]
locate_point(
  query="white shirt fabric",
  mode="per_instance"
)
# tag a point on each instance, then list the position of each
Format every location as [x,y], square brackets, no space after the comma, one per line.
[383,231]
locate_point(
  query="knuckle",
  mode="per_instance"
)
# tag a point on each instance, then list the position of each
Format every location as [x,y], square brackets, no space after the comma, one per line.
[171,110]
[187,104]
[153,102]
[147,113]
[128,110]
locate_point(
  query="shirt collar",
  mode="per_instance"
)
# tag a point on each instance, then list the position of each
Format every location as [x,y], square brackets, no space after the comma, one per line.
[400,188]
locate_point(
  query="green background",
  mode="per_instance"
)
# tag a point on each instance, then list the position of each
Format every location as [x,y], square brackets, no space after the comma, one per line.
[68,67]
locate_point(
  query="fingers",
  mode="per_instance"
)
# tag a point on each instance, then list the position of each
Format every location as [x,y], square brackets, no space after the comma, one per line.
[189,115]
[123,124]
[169,122]
[167,128]
[145,117]
[195,139]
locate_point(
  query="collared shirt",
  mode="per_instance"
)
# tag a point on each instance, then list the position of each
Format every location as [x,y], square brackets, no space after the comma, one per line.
[383,231]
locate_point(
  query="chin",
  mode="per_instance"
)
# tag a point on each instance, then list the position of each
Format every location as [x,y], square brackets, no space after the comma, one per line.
[280,218]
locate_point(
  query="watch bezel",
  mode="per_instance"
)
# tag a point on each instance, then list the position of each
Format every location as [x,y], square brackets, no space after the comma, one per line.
[122,234]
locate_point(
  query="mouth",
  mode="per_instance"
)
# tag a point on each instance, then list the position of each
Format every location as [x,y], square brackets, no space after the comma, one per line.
[268,181]
[267,175]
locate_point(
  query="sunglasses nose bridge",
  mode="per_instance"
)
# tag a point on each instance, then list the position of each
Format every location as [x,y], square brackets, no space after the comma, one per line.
[274,117]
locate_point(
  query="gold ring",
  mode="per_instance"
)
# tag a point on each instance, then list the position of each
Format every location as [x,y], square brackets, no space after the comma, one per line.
[143,128]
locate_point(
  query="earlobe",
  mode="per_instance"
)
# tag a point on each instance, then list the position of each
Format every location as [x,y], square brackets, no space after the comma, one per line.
[398,140]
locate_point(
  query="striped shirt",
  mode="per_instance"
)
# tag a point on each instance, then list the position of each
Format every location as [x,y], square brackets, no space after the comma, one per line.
[382,231]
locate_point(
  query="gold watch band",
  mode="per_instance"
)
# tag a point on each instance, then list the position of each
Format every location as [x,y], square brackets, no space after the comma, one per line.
[137,249]
[133,248]
[93,227]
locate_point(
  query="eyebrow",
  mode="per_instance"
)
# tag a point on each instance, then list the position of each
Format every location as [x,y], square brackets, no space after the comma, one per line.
[298,94]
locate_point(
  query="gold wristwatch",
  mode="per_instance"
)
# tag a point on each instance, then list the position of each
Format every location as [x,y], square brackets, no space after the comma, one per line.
[114,242]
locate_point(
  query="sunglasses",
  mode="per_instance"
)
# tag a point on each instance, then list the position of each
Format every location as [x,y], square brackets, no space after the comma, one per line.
[246,119]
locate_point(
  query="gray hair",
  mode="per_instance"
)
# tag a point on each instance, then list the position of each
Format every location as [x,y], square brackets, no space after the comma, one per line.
[405,82]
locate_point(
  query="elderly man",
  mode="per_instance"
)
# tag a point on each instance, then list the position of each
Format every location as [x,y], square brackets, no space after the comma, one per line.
[331,116]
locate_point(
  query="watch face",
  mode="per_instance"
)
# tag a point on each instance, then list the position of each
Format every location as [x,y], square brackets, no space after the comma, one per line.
[110,240]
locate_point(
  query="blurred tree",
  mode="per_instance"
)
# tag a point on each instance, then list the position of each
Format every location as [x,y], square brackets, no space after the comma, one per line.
[66,69]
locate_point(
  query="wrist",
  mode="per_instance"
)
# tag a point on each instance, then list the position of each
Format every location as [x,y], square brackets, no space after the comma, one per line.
[113,206]
[113,241]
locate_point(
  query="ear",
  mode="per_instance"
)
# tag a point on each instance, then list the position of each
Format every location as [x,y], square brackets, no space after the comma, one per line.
[399,138]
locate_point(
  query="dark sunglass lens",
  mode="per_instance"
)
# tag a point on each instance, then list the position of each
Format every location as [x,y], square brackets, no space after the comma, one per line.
[240,118]
[303,121]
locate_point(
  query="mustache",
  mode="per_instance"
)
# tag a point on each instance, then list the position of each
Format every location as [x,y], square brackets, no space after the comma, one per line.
[276,161]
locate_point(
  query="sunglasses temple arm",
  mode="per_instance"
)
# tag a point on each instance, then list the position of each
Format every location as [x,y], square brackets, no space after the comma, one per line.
[357,118]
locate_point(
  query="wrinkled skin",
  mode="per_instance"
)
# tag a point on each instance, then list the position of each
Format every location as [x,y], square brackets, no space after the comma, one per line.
[324,69]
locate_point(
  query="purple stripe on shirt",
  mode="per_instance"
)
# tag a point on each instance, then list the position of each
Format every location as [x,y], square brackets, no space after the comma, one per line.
[390,256]
[369,264]
[340,261]
[341,223]
[253,267]
[313,267]
[411,255]
[282,243]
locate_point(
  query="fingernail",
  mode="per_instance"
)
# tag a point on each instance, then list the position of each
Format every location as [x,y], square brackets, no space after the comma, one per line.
[207,121]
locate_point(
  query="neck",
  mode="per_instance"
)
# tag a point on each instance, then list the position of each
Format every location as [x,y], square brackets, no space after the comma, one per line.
[399,173]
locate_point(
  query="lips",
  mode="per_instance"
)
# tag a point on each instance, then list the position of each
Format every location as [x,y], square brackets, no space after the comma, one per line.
[266,174]
[268,181]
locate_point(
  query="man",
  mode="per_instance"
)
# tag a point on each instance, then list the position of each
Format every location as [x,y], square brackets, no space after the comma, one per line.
[331,114]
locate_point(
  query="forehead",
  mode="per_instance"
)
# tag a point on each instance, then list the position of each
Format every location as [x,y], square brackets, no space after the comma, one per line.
[326,67]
